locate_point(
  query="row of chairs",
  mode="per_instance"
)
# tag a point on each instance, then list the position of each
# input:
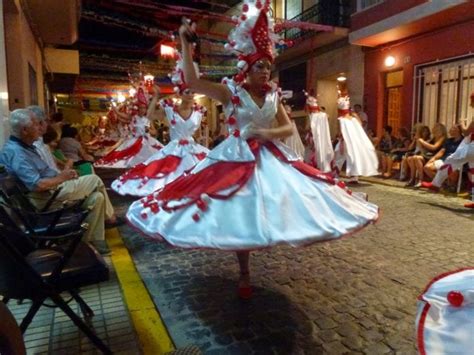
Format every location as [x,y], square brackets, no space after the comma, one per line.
[42,255]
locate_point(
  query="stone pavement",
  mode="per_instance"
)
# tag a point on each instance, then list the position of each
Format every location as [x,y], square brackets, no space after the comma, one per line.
[357,295]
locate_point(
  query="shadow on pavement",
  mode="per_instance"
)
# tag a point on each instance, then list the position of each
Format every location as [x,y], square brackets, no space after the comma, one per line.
[267,322]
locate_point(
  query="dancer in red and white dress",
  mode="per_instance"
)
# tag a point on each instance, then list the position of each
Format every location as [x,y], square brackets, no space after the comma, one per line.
[140,145]
[445,317]
[354,148]
[180,155]
[322,153]
[251,191]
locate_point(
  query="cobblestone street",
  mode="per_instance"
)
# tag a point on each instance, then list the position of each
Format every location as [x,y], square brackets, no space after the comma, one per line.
[351,296]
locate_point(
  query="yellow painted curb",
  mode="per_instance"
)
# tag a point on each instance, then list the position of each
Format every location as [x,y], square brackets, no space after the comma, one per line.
[152,334]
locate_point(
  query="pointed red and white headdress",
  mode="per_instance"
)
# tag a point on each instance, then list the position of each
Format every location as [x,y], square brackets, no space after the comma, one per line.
[253,38]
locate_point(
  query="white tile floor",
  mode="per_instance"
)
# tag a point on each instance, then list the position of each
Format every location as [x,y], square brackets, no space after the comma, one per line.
[52,332]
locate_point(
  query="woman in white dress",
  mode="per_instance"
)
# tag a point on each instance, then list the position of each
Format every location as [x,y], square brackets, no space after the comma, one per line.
[251,191]
[354,147]
[321,146]
[140,145]
[180,155]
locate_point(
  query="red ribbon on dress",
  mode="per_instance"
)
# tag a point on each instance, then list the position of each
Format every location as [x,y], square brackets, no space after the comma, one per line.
[343,112]
[223,179]
[154,170]
[126,153]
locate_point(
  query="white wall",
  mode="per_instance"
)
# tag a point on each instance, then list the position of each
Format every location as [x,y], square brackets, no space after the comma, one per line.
[4,111]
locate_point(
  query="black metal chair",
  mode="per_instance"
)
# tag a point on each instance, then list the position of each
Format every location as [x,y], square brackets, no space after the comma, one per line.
[17,210]
[39,274]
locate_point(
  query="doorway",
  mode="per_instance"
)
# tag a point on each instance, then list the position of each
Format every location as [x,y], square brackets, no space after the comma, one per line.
[393,99]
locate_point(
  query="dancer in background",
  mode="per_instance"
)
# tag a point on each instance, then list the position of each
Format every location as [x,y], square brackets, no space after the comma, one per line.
[294,141]
[251,191]
[180,155]
[354,147]
[322,153]
[140,145]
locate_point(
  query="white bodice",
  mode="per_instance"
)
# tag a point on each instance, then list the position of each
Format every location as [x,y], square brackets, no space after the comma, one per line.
[181,128]
[247,112]
[140,125]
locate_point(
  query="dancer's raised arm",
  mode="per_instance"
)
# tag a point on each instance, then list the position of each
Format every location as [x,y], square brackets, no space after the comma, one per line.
[216,91]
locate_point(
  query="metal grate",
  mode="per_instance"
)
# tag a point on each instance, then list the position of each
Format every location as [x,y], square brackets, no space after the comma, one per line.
[443,91]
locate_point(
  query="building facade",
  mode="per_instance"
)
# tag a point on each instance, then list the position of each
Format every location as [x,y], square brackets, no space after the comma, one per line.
[419,60]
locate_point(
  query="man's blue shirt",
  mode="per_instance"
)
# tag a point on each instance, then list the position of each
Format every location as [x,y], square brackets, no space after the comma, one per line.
[23,161]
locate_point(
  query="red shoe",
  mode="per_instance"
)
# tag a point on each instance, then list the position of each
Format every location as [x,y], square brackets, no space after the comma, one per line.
[429,185]
[245,292]
[469,205]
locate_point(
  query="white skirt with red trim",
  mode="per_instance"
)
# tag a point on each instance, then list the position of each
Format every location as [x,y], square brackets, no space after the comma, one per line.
[445,317]
[246,205]
[166,165]
[132,151]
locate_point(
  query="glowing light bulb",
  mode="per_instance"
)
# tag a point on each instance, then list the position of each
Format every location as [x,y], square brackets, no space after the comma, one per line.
[389,61]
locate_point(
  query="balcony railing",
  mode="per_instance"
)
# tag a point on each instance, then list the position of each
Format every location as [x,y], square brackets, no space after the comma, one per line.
[331,13]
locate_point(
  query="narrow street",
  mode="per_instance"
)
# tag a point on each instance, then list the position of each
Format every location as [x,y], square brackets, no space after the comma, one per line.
[353,295]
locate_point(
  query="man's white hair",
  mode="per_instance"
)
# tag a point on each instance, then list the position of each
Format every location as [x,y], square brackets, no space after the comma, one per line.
[38,111]
[19,119]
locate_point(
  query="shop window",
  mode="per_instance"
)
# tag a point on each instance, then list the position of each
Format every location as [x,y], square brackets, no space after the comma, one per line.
[443,91]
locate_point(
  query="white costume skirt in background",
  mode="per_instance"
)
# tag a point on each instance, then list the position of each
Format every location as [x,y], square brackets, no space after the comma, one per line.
[356,150]
[132,151]
[176,158]
[322,145]
[294,141]
[445,317]
[248,195]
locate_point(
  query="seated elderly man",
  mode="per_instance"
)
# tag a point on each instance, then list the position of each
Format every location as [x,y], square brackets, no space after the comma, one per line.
[20,158]
[41,148]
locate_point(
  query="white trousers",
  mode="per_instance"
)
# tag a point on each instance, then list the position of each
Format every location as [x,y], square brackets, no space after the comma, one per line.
[92,189]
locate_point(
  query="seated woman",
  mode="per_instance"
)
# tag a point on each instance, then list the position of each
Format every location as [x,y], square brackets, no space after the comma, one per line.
[72,147]
[419,130]
[384,147]
[449,147]
[51,139]
[400,148]
[428,150]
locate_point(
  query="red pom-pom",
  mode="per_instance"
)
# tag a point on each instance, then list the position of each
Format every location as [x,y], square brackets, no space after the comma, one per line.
[239,77]
[202,205]
[154,208]
[236,133]
[455,298]
[232,43]
[173,122]
[245,8]
[258,5]
[243,17]
[235,100]
[143,215]
[232,120]
[196,217]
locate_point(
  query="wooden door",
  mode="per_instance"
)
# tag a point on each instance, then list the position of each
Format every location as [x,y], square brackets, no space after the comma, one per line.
[394,105]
